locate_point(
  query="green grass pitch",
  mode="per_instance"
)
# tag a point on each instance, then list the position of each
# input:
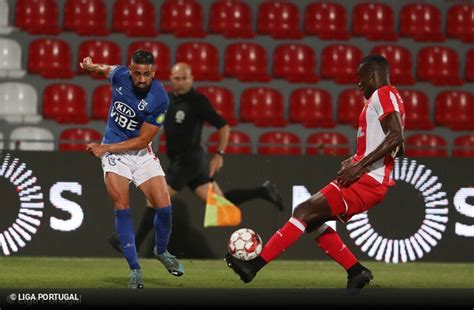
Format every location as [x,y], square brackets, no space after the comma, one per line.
[48,272]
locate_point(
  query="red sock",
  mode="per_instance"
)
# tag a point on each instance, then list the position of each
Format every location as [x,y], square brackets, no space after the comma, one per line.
[332,245]
[283,238]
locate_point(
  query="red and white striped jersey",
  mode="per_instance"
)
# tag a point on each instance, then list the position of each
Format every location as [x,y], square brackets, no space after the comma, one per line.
[370,135]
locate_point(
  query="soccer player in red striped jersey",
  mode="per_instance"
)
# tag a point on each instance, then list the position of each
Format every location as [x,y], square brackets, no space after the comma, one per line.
[361,183]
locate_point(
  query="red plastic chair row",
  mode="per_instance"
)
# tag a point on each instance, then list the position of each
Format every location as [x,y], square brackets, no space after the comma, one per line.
[426,145]
[238,143]
[336,144]
[463,146]
[430,145]
[278,143]
[76,139]
[249,61]
[455,109]
[265,107]
[233,18]
[287,143]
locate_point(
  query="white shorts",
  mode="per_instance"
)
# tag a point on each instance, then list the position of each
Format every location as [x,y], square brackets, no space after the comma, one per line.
[137,166]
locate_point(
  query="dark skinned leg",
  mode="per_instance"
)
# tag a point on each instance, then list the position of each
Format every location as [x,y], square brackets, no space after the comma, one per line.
[314,212]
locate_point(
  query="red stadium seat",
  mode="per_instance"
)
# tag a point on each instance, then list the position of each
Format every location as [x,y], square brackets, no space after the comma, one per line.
[86,17]
[162,144]
[222,100]
[231,18]
[279,143]
[183,18]
[421,21]
[311,107]
[134,18]
[340,62]
[51,58]
[101,51]
[101,98]
[328,144]
[263,106]
[426,145]
[470,65]
[438,65]
[279,19]
[295,63]
[460,22]
[455,109]
[246,61]
[203,59]
[37,16]
[238,143]
[326,20]
[374,21]
[417,110]
[351,103]
[161,53]
[76,139]
[65,103]
[400,60]
[463,146]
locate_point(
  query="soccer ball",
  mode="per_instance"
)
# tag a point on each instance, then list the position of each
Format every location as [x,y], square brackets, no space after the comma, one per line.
[244,244]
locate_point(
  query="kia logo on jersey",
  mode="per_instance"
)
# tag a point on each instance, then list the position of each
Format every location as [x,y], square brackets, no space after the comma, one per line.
[124,109]
[122,115]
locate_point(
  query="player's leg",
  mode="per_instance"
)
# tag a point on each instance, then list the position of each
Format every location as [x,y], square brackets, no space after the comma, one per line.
[199,180]
[118,189]
[145,226]
[200,183]
[176,179]
[331,243]
[156,191]
[266,191]
[147,221]
[314,211]
[117,176]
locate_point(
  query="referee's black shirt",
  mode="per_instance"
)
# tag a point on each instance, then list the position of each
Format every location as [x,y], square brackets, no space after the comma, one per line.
[184,120]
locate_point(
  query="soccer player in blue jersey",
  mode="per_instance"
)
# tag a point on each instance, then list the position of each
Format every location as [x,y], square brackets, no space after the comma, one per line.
[137,111]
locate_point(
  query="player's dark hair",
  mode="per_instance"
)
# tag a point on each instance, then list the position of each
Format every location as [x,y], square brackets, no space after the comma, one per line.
[376,63]
[143,57]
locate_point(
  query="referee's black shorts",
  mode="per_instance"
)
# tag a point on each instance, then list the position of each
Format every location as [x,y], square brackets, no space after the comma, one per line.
[191,169]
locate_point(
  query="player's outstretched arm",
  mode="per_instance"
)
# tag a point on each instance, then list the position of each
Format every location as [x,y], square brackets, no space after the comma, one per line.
[91,67]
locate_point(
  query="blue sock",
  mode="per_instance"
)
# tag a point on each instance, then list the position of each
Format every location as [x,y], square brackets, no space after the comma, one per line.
[126,235]
[162,223]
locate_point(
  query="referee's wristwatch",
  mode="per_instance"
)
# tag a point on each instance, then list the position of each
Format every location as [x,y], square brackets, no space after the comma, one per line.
[220,152]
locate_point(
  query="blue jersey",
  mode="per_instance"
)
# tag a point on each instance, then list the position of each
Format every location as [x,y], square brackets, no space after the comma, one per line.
[128,111]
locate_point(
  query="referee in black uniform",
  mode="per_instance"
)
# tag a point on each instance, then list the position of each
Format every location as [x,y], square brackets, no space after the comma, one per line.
[189,163]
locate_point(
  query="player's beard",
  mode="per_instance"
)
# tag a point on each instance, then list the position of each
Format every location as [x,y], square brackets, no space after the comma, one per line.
[141,91]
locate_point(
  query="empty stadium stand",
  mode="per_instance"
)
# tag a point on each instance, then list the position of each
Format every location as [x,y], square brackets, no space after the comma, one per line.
[263,64]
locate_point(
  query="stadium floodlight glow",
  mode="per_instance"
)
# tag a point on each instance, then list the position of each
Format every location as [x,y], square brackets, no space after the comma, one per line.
[431,229]
[29,216]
